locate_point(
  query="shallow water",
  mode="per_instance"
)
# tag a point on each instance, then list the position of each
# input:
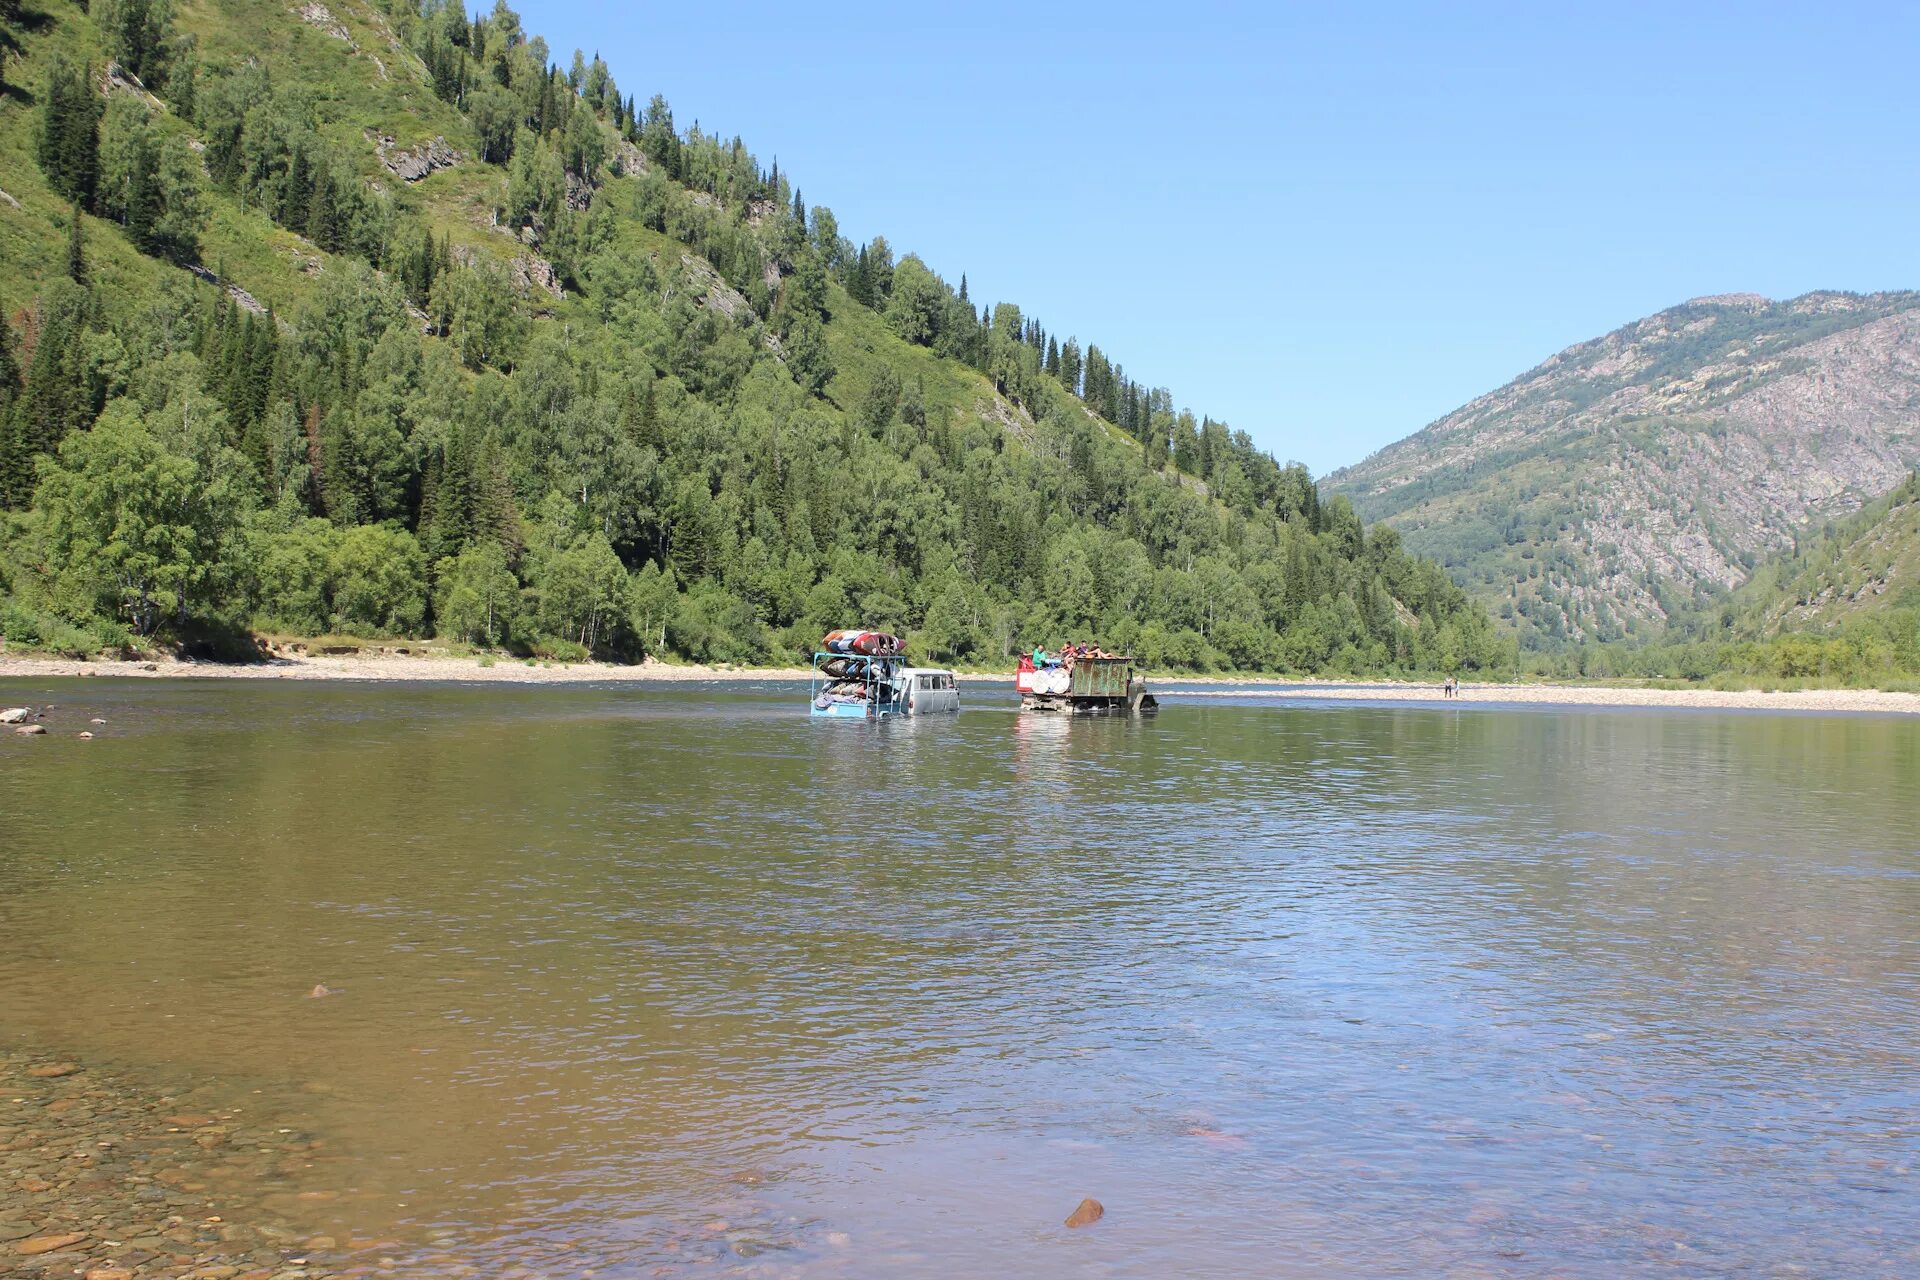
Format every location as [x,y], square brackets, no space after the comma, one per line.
[638,978]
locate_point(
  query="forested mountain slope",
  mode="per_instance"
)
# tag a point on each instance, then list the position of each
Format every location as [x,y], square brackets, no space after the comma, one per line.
[372,318]
[1642,474]
[1851,569]
[1843,607]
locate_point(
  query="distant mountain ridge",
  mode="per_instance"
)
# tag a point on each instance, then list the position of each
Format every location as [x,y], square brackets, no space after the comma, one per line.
[1642,472]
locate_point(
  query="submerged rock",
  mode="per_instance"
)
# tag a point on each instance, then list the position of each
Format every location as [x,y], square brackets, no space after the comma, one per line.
[1089,1212]
[47,1244]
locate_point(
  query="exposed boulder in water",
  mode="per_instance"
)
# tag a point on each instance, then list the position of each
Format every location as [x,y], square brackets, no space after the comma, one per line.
[28,730]
[1089,1212]
[15,715]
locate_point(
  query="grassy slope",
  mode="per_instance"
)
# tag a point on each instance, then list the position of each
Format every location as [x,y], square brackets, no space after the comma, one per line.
[369,87]
[371,82]
[33,237]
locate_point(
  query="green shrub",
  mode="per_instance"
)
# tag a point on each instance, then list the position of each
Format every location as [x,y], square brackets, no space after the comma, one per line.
[34,629]
[556,649]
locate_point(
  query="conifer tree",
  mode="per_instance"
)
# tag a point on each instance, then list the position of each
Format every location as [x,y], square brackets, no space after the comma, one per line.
[139,35]
[879,271]
[640,414]
[262,361]
[1070,367]
[432,469]
[143,196]
[454,500]
[298,189]
[76,247]
[495,515]
[9,370]
[56,398]
[68,145]
[182,77]
[322,227]
[311,469]
[860,280]
[9,394]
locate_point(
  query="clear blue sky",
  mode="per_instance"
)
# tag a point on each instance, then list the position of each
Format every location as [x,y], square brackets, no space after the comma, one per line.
[1328,225]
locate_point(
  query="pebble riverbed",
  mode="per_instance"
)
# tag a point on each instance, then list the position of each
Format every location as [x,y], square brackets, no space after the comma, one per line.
[105,1180]
[106,1177]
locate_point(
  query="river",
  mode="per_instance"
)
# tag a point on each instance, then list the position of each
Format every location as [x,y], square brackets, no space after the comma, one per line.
[632,982]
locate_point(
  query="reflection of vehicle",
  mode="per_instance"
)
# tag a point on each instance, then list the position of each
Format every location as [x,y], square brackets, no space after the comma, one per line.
[855,686]
[1091,686]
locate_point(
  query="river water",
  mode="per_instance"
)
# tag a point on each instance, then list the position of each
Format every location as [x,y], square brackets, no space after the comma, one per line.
[631,982]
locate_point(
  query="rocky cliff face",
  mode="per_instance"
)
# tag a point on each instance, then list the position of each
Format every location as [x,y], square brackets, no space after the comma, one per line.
[1625,475]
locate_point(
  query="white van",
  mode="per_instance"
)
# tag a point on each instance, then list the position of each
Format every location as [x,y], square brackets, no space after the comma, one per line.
[923,691]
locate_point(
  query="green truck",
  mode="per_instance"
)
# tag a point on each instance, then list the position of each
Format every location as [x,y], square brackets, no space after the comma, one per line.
[1091,686]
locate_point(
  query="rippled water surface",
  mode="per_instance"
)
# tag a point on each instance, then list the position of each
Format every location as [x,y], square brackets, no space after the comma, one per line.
[640,979]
